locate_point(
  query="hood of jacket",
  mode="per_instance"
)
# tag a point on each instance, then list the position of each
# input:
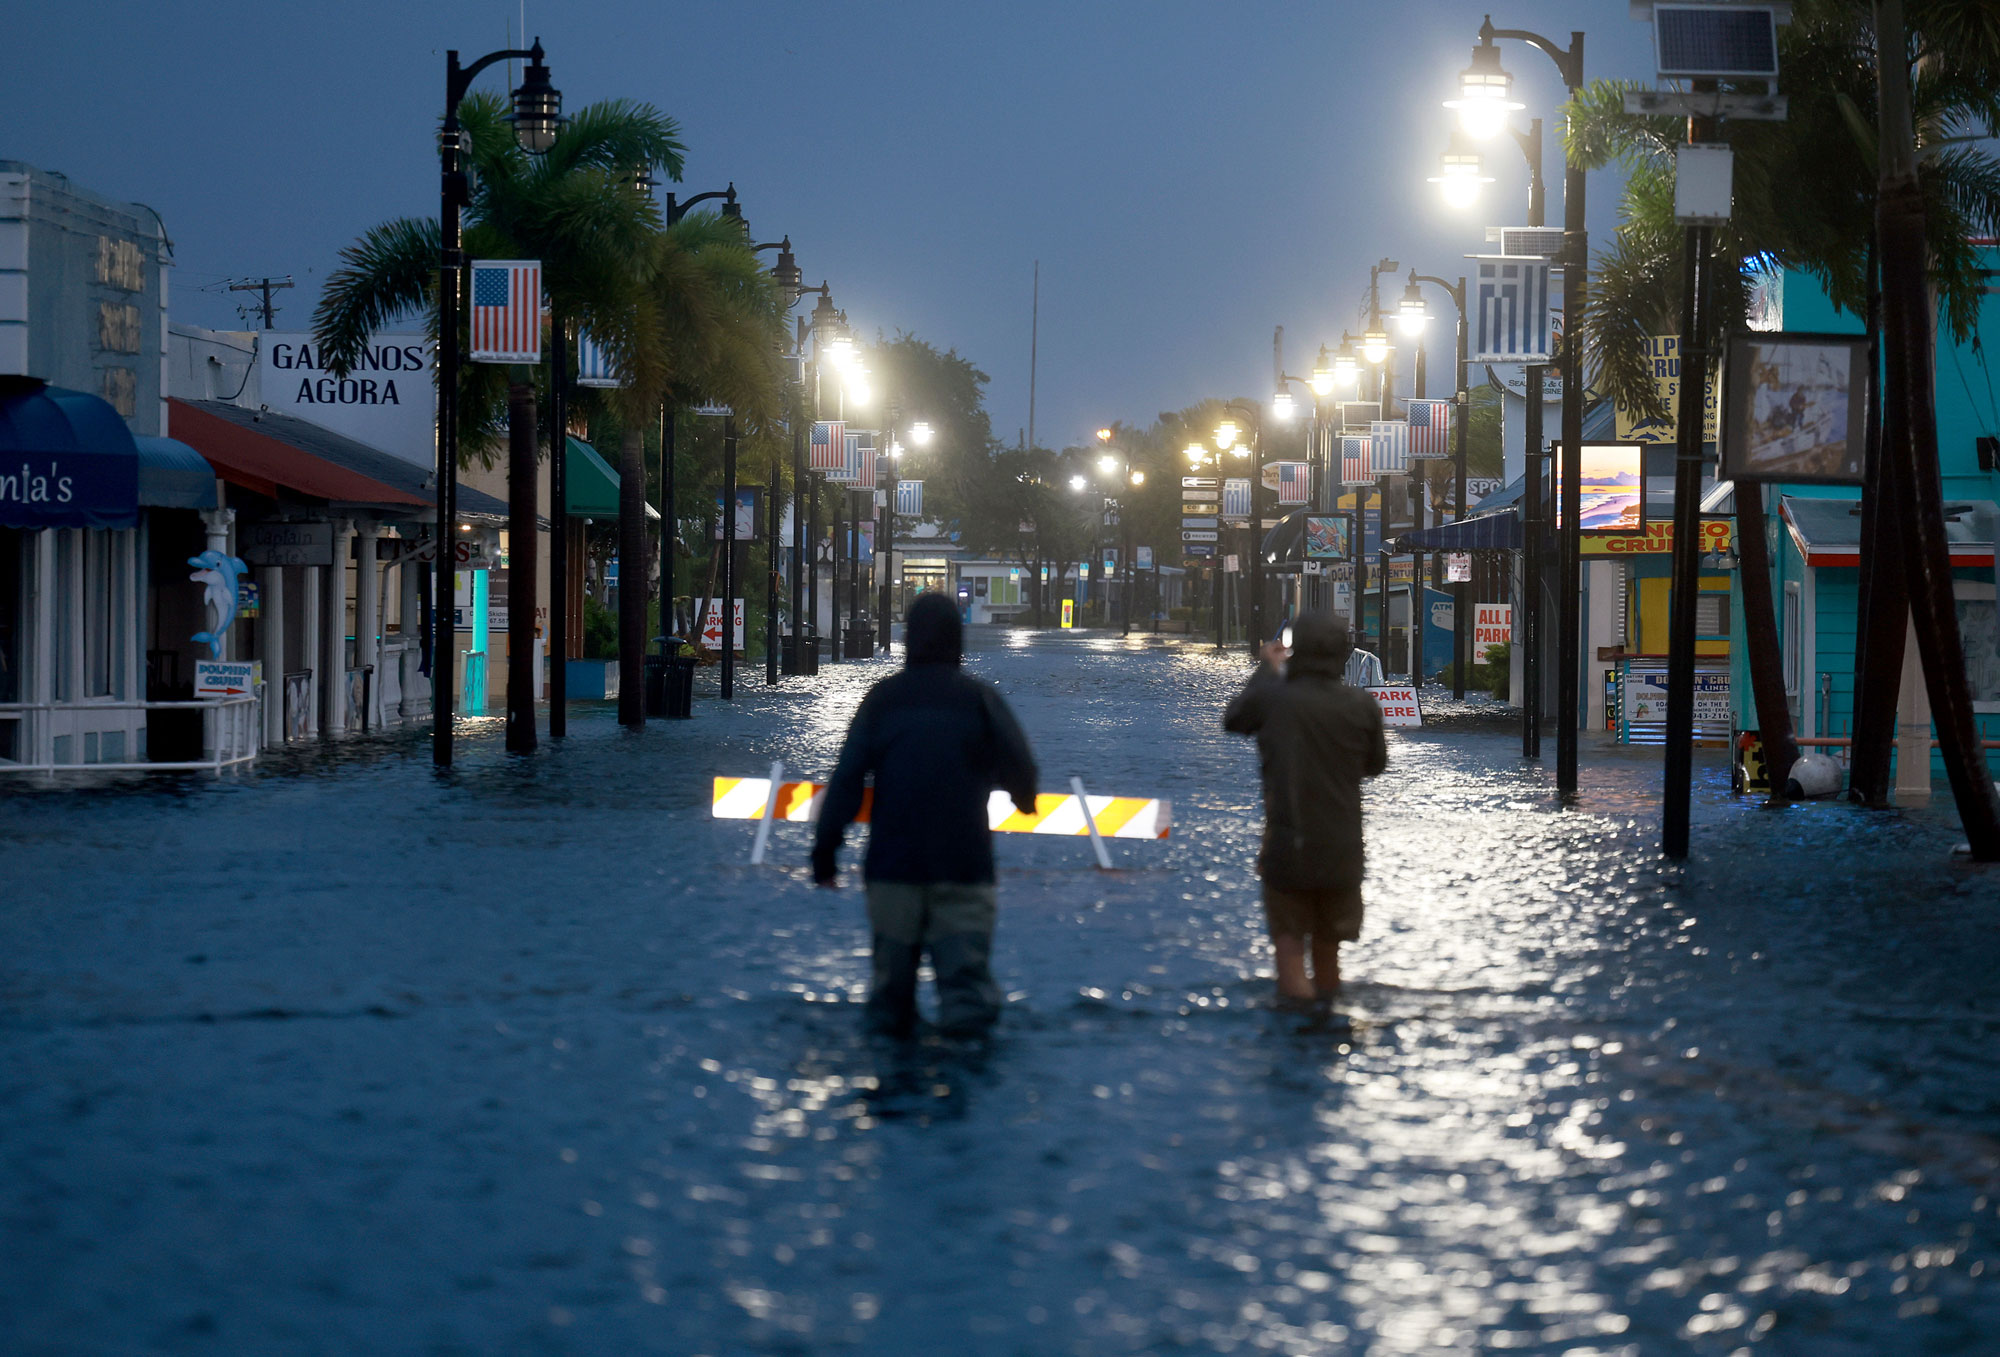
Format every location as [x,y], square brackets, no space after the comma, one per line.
[933,633]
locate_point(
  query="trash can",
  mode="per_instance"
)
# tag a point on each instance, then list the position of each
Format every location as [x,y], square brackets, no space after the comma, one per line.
[860,640]
[669,680]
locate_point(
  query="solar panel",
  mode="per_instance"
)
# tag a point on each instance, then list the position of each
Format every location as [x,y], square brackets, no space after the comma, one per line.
[1716,40]
[1546,241]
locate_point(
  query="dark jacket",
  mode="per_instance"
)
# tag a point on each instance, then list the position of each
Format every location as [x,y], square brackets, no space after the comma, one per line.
[1317,738]
[937,742]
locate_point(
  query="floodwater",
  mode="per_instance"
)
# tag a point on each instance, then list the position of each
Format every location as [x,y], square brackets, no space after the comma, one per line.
[341,1057]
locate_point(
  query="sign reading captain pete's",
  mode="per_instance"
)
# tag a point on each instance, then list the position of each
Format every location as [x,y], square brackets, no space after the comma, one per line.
[388,399]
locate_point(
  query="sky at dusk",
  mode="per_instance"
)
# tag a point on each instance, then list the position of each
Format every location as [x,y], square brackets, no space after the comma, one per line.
[1188,175]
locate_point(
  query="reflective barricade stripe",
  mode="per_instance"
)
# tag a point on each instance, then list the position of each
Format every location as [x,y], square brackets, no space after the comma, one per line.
[1117,817]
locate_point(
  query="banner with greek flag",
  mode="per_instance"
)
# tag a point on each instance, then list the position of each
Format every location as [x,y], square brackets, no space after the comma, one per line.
[1236,497]
[910,498]
[593,364]
[1354,461]
[1513,310]
[1388,447]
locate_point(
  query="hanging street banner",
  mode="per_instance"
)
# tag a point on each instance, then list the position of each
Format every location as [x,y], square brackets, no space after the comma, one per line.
[1512,301]
[506,311]
[1142,558]
[1430,428]
[1389,447]
[1292,481]
[1354,461]
[593,364]
[826,449]
[910,498]
[1236,497]
[1663,356]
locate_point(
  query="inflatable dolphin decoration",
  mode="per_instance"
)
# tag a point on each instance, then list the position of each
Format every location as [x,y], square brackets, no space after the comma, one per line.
[220,576]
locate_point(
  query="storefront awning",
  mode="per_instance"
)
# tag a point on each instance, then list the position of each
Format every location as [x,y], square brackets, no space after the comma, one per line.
[1488,532]
[1827,531]
[173,475]
[590,486]
[283,457]
[66,460]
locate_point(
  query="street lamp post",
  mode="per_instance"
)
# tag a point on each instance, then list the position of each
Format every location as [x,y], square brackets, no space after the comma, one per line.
[1484,102]
[1461,622]
[1376,351]
[537,117]
[1120,459]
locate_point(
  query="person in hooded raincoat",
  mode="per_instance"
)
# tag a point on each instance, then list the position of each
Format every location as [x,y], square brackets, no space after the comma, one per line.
[936,742]
[1317,738]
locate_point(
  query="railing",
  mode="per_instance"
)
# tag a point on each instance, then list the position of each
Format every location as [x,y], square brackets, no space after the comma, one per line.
[232,728]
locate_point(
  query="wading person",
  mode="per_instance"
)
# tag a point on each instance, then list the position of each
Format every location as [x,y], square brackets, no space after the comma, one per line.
[1317,737]
[936,742]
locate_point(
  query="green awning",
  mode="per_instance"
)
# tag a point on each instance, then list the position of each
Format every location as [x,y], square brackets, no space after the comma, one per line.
[590,486]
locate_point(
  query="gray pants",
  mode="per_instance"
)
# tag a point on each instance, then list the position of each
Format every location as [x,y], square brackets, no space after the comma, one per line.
[954,920]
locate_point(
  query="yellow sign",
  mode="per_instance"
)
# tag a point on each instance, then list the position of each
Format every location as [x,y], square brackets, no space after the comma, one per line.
[1069,613]
[1658,538]
[1663,356]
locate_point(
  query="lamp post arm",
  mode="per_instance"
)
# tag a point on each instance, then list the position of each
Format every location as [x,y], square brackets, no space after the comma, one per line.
[676,209]
[1568,60]
[458,79]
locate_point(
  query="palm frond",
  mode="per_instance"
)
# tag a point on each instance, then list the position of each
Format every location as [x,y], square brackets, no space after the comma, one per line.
[391,272]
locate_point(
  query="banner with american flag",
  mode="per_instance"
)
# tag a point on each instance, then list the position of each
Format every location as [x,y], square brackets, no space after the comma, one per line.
[864,460]
[593,365]
[1354,461]
[826,450]
[506,311]
[1430,428]
[1292,481]
[850,457]
[1389,447]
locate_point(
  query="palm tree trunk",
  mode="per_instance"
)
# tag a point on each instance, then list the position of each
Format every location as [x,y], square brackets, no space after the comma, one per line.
[1909,437]
[523,548]
[632,578]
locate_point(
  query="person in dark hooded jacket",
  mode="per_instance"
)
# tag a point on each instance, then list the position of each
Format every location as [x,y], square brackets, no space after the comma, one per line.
[1317,737]
[936,742]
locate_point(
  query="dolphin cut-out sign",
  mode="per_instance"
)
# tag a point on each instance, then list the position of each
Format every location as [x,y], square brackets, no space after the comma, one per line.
[221,579]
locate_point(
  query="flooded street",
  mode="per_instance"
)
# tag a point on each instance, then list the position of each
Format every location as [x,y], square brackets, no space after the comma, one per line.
[340,1057]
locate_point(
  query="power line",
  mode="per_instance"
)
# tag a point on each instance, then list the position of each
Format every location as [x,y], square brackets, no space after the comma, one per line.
[266,286]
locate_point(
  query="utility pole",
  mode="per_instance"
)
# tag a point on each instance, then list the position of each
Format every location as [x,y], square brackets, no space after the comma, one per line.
[266,286]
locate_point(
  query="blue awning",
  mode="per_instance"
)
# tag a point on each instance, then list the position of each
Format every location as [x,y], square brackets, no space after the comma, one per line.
[1489,532]
[173,475]
[66,460]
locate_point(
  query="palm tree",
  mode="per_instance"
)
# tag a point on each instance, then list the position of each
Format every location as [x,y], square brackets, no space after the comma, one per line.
[711,319]
[574,209]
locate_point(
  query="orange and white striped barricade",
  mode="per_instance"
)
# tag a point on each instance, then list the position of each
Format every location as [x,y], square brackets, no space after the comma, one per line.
[1079,814]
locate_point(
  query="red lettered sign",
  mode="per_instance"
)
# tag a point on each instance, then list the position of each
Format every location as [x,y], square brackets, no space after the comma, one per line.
[1399,706]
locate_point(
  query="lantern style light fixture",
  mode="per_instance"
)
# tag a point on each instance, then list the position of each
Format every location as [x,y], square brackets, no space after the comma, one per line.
[1411,313]
[537,113]
[1196,453]
[1107,464]
[1225,435]
[920,434]
[1138,478]
[1485,92]
[1282,406]
[1346,366]
[1323,376]
[1104,435]
[1461,172]
[1078,484]
[1375,345]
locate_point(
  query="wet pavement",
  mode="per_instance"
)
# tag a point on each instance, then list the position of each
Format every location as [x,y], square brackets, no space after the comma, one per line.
[339,1057]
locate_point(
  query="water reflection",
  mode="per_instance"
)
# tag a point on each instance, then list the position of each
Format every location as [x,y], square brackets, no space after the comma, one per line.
[1575,1100]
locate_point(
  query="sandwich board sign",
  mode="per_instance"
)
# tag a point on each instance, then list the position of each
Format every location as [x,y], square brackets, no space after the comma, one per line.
[1399,705]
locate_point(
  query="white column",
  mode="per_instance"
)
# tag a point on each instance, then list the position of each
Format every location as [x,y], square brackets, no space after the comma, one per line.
[312,593]
[1913,725]
[218,523]
[271,648]
[333,644]
[407,583]
[368,619]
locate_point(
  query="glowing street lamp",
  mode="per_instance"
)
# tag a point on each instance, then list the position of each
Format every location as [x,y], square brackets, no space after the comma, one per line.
[1346,366]
[1461,172]
[1282,406]
[1078,484]
[1412,314]
[1375,346]
[1323,376]
[1226,434]
[1485,92]
[920,434]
